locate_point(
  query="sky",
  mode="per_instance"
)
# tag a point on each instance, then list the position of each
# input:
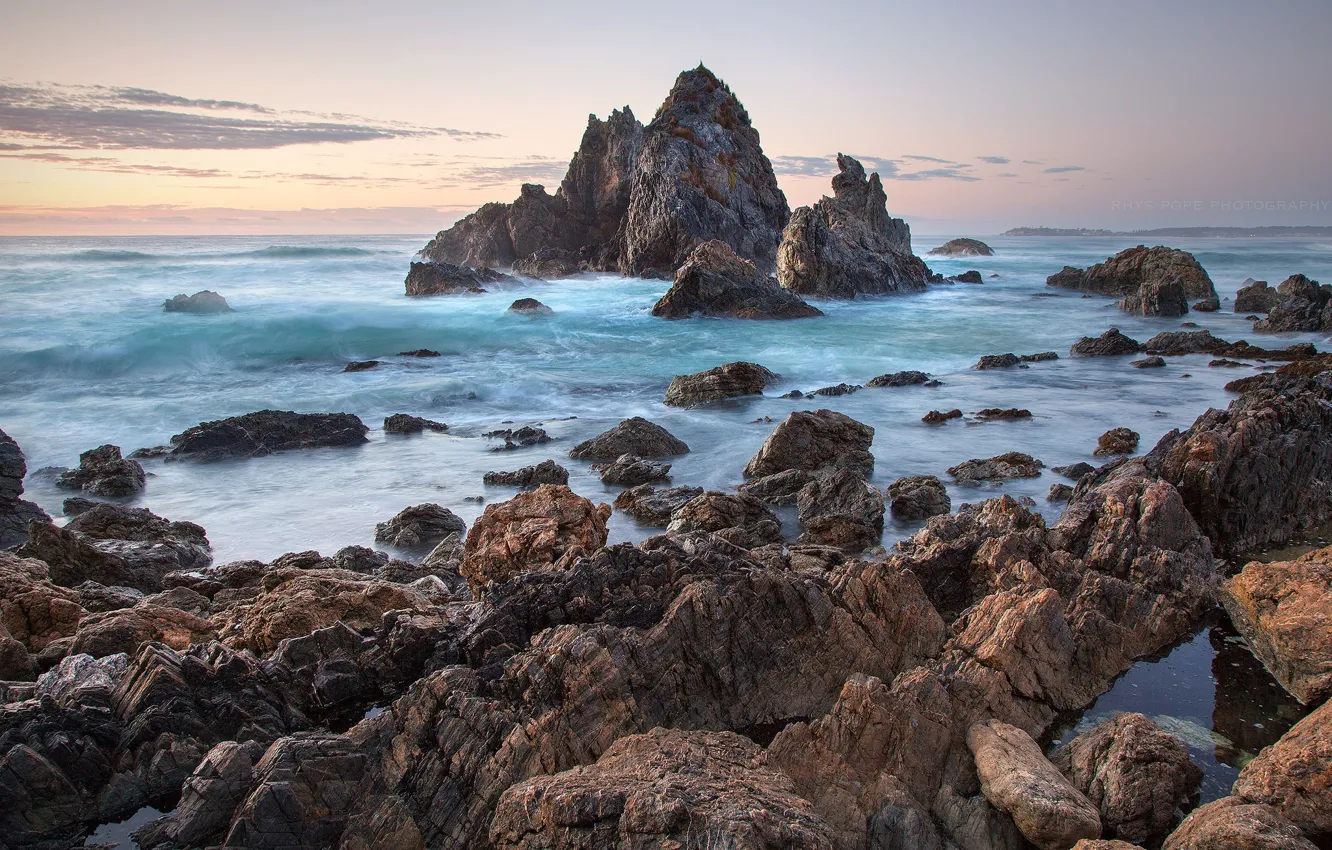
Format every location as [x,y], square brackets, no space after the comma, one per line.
[289,117]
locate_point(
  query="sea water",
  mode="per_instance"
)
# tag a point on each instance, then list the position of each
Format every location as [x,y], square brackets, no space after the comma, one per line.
[87,356]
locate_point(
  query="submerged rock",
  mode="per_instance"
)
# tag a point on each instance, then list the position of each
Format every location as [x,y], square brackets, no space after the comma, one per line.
[420,527]
[1255,296]
[518,438]
[848,245]
[1154,281]
[918,497]
[999,468]
[1173,343]
[546,472]
[714,281]
[360,365]
[963,248]
[730,380]
[205,301]
[15,513]
[665,788]
[541,529]
[1280,609]
[103,472]
[908,378]
[420,352]
[635,436]
[654,506]
[405,423]
[265,432]
[1109,344]
[530,307]
[814,440]
[438,278]
[939,417]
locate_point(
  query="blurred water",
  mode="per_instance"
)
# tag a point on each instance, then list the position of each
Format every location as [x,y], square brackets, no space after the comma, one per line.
[87,357]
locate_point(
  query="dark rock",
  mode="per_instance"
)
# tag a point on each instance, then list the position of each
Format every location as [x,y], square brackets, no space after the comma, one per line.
[1138,776]
[549,264]
[15,513]
[200,302]
[779,488]
[420,352]
[741,520]
[997,361]
[1208,305]
[1153,362]
[848,245]
[918,497]
[1301,306]
[1108,344]
[730,380]
[631,470]
[440,278]
[1255,296]
[714,281]
[1073,471]
[405,423]
[1039,357]
[963,248]
[149,453]
[518,438]
[546,472]
[360,365]
[1173,343]
[1154,281]
[899,379]
[530,307]
[998,468]
[1117,441]
[103,472]
[814,440]
[1227,364]
[792,394]
[842,511]
[936,417]
[839,389]
[701,175]
[654,506]
[972,276]
[998,414]
[267,431]
[96,597]
[635,436]
[420,527]
[1059,493]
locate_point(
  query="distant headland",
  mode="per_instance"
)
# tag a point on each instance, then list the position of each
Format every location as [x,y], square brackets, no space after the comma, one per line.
[1232,232]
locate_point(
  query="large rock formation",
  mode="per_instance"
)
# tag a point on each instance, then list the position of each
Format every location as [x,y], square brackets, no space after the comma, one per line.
[963,247]
[267,431]
[1156,281]
[434,277]
[1301,306]
[849,245]
[15,513]
[715,282]
[730,380]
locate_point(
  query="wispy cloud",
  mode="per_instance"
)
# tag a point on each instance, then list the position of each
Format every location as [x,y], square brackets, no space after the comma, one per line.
[171,218]
[952,172]
[1007,174]
[1031,162]
[995,160]
[108,118]
[887,167]
[920,158]
[485,172]
[1062,169]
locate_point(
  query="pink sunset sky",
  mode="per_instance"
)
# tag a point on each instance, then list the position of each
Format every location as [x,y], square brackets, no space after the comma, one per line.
[399,117]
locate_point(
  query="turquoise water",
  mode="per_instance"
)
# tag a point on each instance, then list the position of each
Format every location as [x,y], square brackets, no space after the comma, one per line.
[87,357]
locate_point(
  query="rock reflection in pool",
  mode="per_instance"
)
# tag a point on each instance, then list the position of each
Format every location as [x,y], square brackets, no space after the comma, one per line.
[1210,692]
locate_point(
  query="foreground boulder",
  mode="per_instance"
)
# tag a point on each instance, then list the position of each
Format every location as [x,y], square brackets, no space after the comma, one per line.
[963,248]
[543,529]
[730,380]
[103,472]
[715,282]
[839,509]
[635,436]
[34,614]
[1301,306]
[848,245]
[1016,777]
[813,440]
[739,519]
[202,302]
[1232,823]
[265,432]
[652,505]
[1293,775]
[419,527]
[918,497]
[691,790]
[1139,777]
[435,278]
[1156,281]
[15,513]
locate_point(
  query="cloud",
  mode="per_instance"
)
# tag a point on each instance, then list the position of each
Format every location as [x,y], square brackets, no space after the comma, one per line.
[107,118]
[805,166]
[1061,169]
[172,218]
[887,168]
[534,169]
[995,160]
[920,158]
[949,173]
[1007,174]
[1031,162]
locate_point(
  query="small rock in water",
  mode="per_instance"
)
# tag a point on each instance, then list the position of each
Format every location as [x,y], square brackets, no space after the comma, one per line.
[531,307]
[267,431]
[1228,364]
[420,352]
[792,394]
[1117,441]
[518,438]
[935,417]
[839,389]
[1073,471]
[997,361]
[630,470]
[635,436]
[730,380]
[997,414]
[1153,362]
[971,276]
[899,379]
[963,247]
[546,472]
[1059,493]
[998,468]
[1108,344]
[1039,357]
[403,423]
[360,365]
[199,303]
[918,497]
[103,472]
[149,452]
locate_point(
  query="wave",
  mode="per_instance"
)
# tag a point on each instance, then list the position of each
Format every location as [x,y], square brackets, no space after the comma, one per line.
[272,252]
[301,252]
[104,256]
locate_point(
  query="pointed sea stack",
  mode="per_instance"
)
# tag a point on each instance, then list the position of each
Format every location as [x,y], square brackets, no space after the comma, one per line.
[849,245]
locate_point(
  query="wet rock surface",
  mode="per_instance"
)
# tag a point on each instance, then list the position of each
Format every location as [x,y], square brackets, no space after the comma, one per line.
[405,423]
[1108,344]
[714,281]
[632,470]
[15,513]
[1255,296]
[997,468]
[1155,281]
[530,307]
[636,436]
[203,302]
[840,510]
[1293,775]
[265,432]
[848,245]
[541,529]
[419,527]
[918,497]
[655,505]
[812,440]
[103,472]
[730,380]
[908,378]
[1117,441]
[546,472]
[438,278]
[939,417]
[739,519]
[1234,824]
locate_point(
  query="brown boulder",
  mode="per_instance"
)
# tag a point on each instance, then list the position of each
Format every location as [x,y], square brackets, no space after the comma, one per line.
[1234,824]
[664,788]
[1117,441]
[918,497]
[812,440]
[841,510]
[1138,776]
[742,520]
[999,468]
[634,436]
[126,629]
[1108,344]
[1017,778]
[713,281]
[33,610]
[730,380]
[541,529]
[1294,775]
